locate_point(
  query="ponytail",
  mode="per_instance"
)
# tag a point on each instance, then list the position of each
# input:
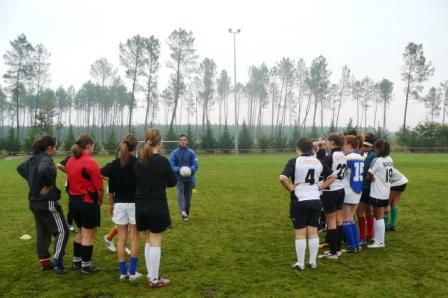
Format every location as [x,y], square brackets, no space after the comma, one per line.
[128,145]
[383,147]
[81,144]
[152,139]
[40,145]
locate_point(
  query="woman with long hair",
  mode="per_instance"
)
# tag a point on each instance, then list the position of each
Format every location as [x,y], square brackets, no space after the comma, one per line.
[380,173]
[85,197]
[153,176]
[122,183]
[333,197]
[43,196]
[353,189]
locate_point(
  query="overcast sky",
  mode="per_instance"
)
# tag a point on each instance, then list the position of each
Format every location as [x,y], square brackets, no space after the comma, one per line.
[368,36]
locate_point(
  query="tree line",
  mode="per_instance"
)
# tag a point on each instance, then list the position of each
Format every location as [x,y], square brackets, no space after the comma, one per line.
[289,96]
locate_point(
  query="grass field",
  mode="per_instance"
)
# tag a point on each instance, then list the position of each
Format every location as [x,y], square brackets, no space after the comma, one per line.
[239,240]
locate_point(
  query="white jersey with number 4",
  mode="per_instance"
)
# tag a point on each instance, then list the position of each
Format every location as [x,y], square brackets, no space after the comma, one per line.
[382,169]
[307,172]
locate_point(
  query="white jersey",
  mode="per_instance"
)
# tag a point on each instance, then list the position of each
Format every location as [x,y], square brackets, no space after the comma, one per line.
[353,178]
[398,178]
[337,162]
[382,169]
[305,172]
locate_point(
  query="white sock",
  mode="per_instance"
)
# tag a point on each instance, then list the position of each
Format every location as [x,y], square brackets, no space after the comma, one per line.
[154,261]
[379,230]
[313,248]
[147,250]
[300,251]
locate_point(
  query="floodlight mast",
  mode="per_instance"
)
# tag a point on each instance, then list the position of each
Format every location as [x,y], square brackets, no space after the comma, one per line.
[235,32]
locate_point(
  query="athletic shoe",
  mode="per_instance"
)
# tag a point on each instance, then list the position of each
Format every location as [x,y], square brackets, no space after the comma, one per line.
[312,265]
[59,270]
[338,253]
[90,269]
[298,267]
[128,251]
[72,229]
[136,276]
[124,276]
[185,218]
[109,244]
[392,229]
[328,255]
[376,245]
[370,241]
[160,283]
[76,267]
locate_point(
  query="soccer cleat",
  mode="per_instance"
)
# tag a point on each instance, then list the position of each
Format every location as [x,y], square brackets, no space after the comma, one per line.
[90,269]
[370,241]
[76,266]
[328,255]
[124,276]
[185,218]
[392,229]
[376,245]
[59,270]
[136,276]
[298,267]
[159,283]
[312,265]
[128,251]
[109,244]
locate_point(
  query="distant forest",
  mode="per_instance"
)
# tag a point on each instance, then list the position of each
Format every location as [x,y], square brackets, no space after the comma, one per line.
[276,104]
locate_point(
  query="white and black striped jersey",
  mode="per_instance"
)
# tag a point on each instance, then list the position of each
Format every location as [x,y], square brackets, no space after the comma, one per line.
[337,162]
[306,171]
[382,169]
[398,178]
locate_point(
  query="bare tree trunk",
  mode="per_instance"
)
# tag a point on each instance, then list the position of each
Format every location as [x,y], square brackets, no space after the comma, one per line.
[407,97]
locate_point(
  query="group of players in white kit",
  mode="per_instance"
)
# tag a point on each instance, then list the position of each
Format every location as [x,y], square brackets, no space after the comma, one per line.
[352,179]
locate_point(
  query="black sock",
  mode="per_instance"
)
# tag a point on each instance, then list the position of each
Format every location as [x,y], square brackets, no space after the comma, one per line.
[332,240]
[87,252]
[340,230]
[77,253]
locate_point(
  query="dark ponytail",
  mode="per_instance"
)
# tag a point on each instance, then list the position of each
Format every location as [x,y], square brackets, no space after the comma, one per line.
[81,144]
[40,145]
[128,145]
[383,147]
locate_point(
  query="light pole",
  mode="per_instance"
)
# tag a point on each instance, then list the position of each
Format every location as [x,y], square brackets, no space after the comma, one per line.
[235,32]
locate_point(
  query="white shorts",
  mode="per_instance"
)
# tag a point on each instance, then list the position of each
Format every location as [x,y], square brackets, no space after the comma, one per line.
[124,214]
[351,197]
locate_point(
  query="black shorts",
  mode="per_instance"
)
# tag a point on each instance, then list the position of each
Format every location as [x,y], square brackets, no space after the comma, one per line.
[152,215]
[304,213]
[365,196]
[378,203]
[399,188]
[333,201]
[85,215]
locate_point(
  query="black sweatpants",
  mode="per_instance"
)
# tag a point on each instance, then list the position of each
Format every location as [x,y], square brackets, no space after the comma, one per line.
[50,221]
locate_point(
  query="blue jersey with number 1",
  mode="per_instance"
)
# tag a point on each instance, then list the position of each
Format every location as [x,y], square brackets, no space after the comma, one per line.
[356,166]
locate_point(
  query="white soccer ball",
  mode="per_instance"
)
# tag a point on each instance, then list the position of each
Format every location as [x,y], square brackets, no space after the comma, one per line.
[185,172]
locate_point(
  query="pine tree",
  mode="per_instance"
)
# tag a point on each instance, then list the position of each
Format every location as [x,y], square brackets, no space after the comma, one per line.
[226,141]
[245,140]
[208,141]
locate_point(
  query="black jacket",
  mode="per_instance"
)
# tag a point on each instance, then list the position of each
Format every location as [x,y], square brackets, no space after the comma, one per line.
[40,171]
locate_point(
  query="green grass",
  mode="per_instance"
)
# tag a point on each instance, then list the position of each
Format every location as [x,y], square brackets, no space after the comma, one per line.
[239,241]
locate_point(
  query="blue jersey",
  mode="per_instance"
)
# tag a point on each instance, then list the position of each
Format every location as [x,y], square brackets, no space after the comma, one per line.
[353,178]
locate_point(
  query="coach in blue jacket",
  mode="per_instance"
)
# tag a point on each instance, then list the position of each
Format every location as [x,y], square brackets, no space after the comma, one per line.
[181,157]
